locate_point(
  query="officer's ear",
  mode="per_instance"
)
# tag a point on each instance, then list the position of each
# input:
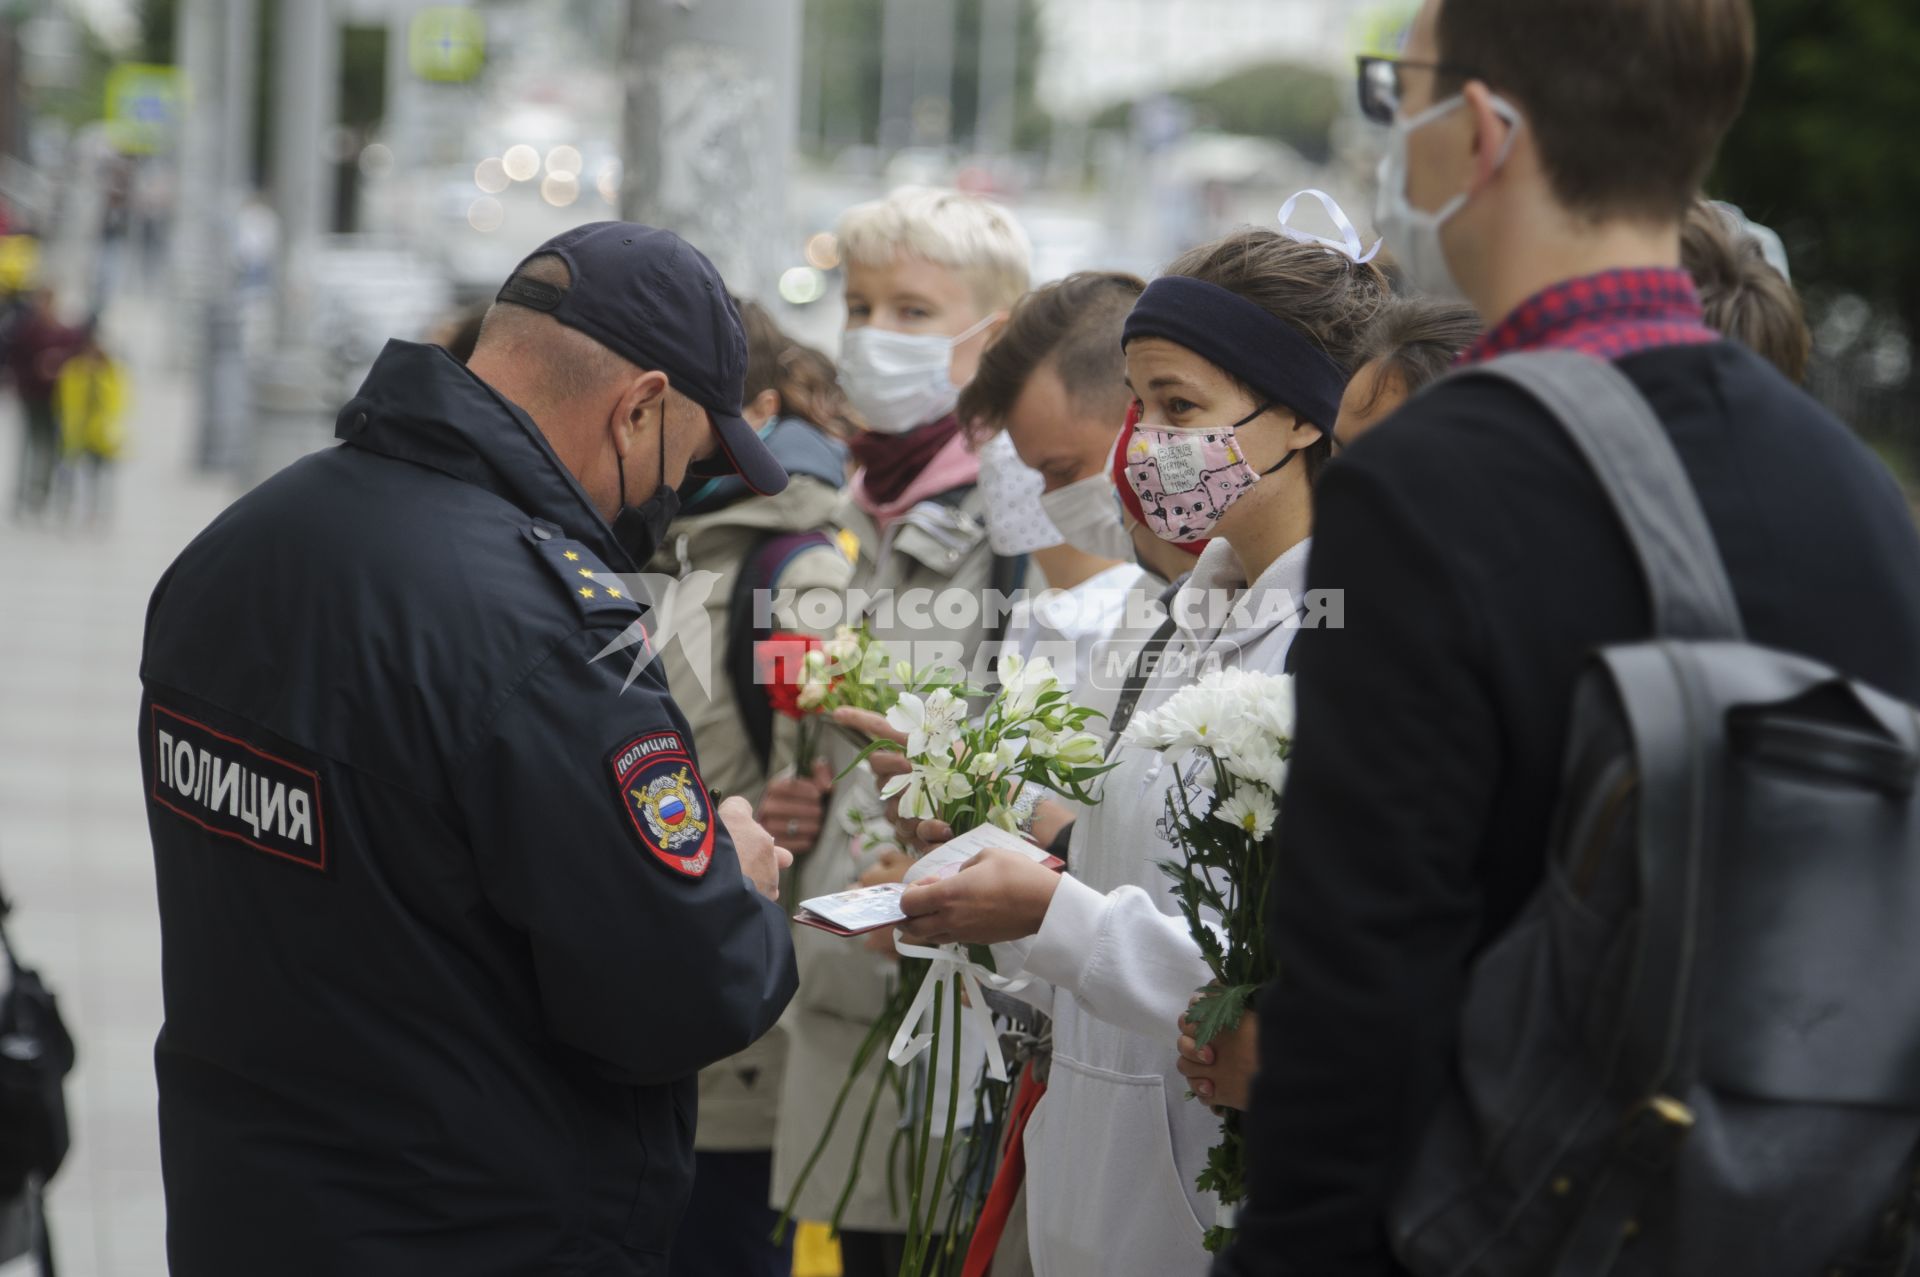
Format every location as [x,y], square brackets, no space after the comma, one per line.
[643,400]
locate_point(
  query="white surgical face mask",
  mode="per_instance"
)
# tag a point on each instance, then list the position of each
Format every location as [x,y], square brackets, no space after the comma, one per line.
[1011,492]
[901,381]
[1088,514]
[1411,234]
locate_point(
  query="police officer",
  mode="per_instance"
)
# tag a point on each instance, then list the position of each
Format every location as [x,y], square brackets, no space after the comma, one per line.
[449,918]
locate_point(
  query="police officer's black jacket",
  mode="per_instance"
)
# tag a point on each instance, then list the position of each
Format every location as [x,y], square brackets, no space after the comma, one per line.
[449,921]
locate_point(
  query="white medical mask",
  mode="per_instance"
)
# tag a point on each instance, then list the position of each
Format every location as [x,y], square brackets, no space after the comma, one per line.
[1010,492]
[901,381]
[1411,234]
[1088,514]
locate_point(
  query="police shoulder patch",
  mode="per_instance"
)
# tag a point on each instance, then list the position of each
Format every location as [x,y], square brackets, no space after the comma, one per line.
[657,783]
[592,586]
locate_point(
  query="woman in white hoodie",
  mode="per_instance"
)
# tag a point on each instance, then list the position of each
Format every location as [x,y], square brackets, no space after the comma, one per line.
[1237,358]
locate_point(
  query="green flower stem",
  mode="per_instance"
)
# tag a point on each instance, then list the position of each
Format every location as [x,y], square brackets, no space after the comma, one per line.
[920,1239]
[922,1152]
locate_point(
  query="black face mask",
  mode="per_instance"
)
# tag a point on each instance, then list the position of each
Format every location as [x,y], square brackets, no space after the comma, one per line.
[640,529]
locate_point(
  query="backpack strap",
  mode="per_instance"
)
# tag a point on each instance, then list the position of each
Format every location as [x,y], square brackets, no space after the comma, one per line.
[1615,429]
[760,569]
[1142,671]
[1005,576]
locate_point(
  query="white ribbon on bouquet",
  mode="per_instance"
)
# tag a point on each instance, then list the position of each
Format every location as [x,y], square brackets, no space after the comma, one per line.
[950,960]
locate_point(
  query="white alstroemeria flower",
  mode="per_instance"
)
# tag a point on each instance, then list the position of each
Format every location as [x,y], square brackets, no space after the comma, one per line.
[1042,743]
[932,724]
[1251,809]
[813,694]
[992,762]
[1002,817]
[1024,682]
[923,790]
[1082,749]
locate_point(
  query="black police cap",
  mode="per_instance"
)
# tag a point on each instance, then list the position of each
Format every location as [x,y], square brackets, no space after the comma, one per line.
[655,300]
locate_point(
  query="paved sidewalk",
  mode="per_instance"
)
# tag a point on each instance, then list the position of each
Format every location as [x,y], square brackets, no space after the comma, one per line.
[73,839]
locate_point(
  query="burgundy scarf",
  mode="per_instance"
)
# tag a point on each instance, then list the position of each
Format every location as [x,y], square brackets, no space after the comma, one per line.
[894,461]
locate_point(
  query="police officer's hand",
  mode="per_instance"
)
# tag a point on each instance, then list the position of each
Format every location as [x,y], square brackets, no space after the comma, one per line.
[760,859]
[794,807]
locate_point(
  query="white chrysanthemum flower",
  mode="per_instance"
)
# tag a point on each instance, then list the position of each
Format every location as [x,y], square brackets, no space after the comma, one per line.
[1270,708]
[1251,809]
[1201,718]
[1149,730]
[1258,759]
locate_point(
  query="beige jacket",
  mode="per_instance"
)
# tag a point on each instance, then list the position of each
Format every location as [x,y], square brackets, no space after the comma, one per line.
[704,554]
[843,985]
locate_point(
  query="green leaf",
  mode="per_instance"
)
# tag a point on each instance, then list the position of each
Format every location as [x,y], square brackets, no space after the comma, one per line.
[1220,1010]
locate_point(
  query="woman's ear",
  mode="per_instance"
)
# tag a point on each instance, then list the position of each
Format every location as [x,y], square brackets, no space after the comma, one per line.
[764,408]
[1303,434]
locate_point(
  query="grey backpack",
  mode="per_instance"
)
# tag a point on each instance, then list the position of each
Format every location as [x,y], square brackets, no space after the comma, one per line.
[1697,1051]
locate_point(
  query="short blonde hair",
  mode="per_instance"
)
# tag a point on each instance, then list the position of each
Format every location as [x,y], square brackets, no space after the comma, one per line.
[975,238]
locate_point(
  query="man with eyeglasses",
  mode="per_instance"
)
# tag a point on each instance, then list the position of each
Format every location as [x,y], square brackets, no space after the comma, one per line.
[1543,156]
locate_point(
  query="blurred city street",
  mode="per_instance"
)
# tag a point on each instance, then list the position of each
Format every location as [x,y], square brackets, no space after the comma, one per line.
[73,831]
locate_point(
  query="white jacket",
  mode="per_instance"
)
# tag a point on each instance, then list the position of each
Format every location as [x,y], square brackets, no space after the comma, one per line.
[1114,1147]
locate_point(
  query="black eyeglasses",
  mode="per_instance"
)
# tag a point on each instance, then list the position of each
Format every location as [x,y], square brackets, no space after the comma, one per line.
[1380,84]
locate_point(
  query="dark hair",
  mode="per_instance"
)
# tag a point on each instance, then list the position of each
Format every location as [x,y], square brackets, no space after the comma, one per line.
[1074,325]
[809,387]
[1418,340]
[1328,298]
[1742,294]
[765,345]
[1627,99]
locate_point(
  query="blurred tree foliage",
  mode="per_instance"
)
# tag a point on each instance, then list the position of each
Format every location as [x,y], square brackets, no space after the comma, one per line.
[1289,103]
[1824,150]
[842,48]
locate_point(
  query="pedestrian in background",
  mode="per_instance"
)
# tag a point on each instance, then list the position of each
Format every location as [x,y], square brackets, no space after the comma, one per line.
[38,346]
[91,397]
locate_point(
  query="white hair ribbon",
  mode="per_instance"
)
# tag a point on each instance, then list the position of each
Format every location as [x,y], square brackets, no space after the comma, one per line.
[1347,246]
[950,961]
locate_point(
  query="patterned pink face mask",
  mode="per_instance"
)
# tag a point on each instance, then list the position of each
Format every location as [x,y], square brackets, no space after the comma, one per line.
[1187,479]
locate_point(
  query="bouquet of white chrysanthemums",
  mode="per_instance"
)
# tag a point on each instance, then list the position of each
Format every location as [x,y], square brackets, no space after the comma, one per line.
[1241,724]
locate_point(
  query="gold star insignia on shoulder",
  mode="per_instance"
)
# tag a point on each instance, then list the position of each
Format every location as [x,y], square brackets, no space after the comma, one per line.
[587,572]
[614,594]
[586,592]
[573,556]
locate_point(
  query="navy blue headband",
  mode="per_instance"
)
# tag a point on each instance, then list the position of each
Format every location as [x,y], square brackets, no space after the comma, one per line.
[1244,339]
